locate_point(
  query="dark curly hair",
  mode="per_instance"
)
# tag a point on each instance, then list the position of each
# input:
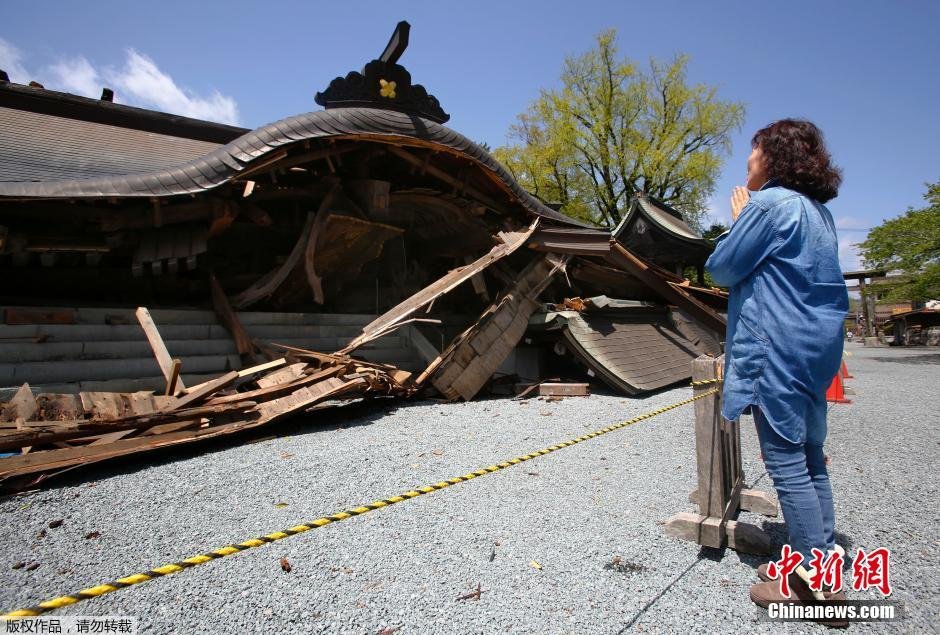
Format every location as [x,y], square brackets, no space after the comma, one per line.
[796,156]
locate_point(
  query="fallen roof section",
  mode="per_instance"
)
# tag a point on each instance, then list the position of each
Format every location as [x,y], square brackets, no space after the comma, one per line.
[632,352]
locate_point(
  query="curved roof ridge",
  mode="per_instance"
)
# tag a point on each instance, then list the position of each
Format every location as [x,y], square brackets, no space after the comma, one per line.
[662,215]
[226,162]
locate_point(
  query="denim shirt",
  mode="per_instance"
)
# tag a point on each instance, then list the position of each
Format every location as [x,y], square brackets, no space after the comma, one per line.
[786,311]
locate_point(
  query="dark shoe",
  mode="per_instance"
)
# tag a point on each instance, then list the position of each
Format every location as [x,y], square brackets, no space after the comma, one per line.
[762,572]
[765,577]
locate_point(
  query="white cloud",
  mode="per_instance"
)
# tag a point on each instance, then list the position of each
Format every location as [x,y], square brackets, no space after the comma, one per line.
[849,256]
[139,82]
[719,211]
[10,61]
[142,81]
[849,222]
[76,76]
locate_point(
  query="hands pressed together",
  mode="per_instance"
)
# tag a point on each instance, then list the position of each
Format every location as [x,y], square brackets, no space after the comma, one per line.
[739,198]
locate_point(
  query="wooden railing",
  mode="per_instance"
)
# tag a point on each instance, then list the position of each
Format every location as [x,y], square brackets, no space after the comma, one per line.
[721,491]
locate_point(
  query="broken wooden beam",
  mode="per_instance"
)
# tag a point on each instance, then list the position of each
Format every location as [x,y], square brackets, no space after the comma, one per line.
[648,273]
[159,348]
[173,382]
[229,319]
[472,358]
[439,287]
[446,178]
[201,391]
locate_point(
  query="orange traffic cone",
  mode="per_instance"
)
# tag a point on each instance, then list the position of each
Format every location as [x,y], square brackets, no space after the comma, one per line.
[836,392]
[845,371]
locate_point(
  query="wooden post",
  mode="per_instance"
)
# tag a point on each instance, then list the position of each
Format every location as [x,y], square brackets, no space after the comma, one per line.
[721,493]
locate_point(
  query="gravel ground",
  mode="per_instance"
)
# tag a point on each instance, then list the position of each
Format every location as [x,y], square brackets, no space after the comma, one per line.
[572,512]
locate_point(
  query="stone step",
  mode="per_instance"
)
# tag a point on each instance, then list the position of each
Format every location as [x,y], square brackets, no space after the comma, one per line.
[93,315]
[61,351]
[14,333]
[95,369]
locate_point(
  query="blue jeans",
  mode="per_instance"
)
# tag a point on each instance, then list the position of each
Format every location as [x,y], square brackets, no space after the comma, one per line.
[802,482]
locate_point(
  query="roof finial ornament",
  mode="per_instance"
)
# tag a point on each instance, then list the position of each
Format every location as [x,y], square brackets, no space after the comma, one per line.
[384,83]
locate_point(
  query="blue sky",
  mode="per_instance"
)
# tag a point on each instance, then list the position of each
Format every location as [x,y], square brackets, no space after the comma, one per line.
[865,71]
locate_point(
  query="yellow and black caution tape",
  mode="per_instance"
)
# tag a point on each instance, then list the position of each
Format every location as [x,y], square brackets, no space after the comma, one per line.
[167,569]
[705,382]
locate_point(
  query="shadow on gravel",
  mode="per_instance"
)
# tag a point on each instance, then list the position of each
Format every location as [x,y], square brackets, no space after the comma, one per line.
[704,554]
[930,358]
[778,535]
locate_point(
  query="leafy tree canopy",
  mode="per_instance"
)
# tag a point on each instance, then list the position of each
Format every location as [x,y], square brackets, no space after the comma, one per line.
[613,129]
[909,243]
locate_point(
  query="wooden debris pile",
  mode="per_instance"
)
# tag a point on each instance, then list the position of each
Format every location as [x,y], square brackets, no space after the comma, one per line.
[48,433]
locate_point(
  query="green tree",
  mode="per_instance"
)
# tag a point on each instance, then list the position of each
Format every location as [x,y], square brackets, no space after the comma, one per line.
[909,243]
[613,129]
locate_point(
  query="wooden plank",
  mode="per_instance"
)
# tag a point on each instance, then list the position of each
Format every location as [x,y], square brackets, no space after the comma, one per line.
[740,536]
[44,432]
[306,397]
[229,319]
[478,282]
[156,344]
[283,376]
[486,345]
[142,402]
[51,460]
[203,390]
[57,459]
[695,528]
[111,437]
[314,279]
[747,538]
[164,428]
[759,502]
[260,368]
[562,389]
[56,407]
[263,394]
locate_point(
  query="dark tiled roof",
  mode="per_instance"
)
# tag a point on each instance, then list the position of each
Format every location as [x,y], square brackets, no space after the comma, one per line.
[661,215]
[42,147]
[630,354]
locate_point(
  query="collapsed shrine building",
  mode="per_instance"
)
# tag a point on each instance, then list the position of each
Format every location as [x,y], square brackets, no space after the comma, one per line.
[367,230]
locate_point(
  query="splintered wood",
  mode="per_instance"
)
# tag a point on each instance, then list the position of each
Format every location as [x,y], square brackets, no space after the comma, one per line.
[469,362]
[53,432]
